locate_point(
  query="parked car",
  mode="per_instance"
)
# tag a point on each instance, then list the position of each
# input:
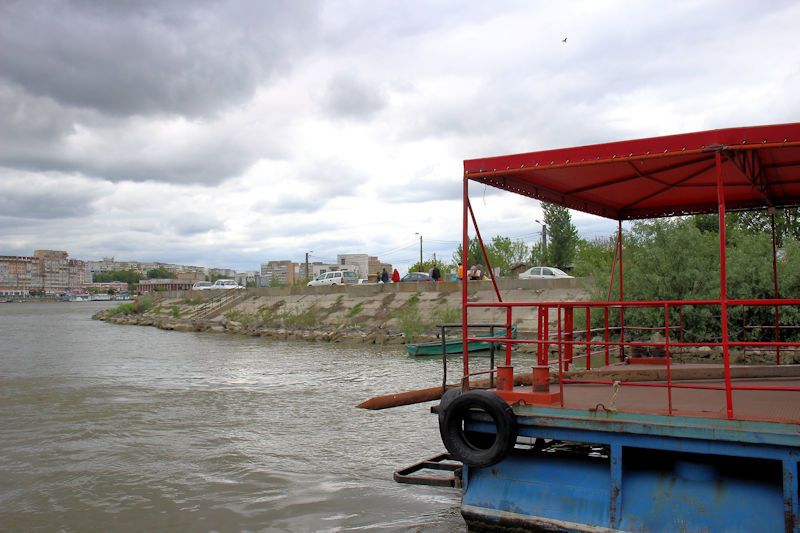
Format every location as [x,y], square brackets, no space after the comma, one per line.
[417,276]
[336,277]
[202,286]
[544,273]
[226,284]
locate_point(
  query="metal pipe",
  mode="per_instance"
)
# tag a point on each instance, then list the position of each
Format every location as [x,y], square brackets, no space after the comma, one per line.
[621,296]
[668,356]
[483,250]
[723,286]
[464,307]
[775,285]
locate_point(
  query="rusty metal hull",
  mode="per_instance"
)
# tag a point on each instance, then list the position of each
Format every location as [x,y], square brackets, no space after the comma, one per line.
[610,471]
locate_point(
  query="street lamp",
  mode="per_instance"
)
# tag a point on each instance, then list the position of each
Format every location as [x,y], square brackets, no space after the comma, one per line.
[544,237]
[420,250]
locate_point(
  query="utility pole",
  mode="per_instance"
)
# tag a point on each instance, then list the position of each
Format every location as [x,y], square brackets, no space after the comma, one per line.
[308,277]
[420,251]
[544,239]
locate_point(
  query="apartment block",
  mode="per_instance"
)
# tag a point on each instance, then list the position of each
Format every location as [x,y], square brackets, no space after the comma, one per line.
[282,272]
[19,275]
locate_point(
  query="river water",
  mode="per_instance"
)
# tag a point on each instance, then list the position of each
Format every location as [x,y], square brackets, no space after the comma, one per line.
[125,428]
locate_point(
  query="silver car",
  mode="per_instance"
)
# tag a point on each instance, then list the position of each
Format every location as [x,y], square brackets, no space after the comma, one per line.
[544,273]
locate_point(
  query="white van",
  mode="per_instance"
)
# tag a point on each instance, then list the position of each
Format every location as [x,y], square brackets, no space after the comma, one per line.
[337,277]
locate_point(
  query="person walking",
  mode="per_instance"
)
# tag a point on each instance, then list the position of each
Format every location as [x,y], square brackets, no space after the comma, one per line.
[385,276]
[436,275]
[395,276]
[460,271]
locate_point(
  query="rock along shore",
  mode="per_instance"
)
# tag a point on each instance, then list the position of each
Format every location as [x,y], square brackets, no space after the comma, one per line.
[390,314]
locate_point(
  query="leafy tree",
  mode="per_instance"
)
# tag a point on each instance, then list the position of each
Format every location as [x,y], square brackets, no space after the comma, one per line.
[505,252]
[474,254]
[428,264]
[673,259]
[159,273]
[563,235]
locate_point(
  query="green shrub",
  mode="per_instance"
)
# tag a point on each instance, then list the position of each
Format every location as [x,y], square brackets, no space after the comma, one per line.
[355,310]
[245,319]
[306,318]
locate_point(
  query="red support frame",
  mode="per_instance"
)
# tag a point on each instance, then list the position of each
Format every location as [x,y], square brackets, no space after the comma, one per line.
[704,172]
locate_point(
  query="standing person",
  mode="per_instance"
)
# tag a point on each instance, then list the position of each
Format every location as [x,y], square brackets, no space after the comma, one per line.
[436,275]
[385,276]
[378,277]
[395,276]
[460,271]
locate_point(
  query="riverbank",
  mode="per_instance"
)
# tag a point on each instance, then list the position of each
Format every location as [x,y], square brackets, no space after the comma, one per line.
[390,314]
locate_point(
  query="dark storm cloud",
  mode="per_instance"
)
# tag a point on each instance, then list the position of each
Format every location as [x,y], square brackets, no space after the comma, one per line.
[350,97]
[124,58]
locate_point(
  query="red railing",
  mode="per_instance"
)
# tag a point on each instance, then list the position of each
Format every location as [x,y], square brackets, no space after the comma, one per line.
[621,338]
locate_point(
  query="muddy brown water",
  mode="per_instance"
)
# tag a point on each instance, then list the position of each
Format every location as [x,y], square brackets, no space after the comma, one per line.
[106,427]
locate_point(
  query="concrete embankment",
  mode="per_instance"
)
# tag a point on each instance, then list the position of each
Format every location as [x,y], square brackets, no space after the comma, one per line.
[370,314]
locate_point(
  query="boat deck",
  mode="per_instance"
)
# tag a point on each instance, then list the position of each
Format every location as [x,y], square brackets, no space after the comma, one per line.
[782,406]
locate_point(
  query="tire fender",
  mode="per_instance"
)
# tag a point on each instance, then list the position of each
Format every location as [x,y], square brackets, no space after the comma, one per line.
[473,448]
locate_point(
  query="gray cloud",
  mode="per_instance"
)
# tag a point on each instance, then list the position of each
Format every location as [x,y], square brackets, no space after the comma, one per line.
[37,198]
[38,134]
[125,58]
[350,97]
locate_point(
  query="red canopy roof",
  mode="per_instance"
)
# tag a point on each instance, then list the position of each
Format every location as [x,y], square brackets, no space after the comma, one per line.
[659,176]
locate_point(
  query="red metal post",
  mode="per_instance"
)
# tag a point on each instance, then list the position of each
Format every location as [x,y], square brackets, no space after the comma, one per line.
[539,327]
[775,285]
[568,315]
[668,356]
[723,286]
[588,338]
[621,297]
[483,250]
[544,360]
[560,360]
[605,327]
[464,309]
[508,335]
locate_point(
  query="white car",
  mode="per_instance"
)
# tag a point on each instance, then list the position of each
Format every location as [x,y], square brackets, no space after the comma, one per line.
[226,284]
[337,277]
[544,273]
[202,286]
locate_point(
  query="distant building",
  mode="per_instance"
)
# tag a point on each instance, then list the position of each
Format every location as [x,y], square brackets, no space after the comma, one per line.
[245,278]
[221,273]
[358,263]
[116,286]
[19,275]
[48,271]
[282,272]
[190,276]
[375,266]
[108,264]
[155,285]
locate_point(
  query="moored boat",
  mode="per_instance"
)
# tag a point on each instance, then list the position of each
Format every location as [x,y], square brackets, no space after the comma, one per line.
[456,346]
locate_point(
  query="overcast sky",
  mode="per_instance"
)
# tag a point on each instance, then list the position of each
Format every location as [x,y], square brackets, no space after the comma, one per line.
[226,134]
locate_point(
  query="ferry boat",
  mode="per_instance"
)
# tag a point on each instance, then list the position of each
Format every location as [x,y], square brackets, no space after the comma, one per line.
[657,446]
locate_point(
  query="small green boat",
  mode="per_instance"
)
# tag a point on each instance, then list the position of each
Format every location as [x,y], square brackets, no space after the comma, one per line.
[455,346]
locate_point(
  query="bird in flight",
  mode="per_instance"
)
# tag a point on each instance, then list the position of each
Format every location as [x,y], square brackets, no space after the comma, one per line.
[564,40]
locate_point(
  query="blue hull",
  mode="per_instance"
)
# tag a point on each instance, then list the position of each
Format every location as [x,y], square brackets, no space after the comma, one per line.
[639,473]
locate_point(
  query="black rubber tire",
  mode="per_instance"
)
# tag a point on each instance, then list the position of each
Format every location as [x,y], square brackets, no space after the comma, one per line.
[473,448]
